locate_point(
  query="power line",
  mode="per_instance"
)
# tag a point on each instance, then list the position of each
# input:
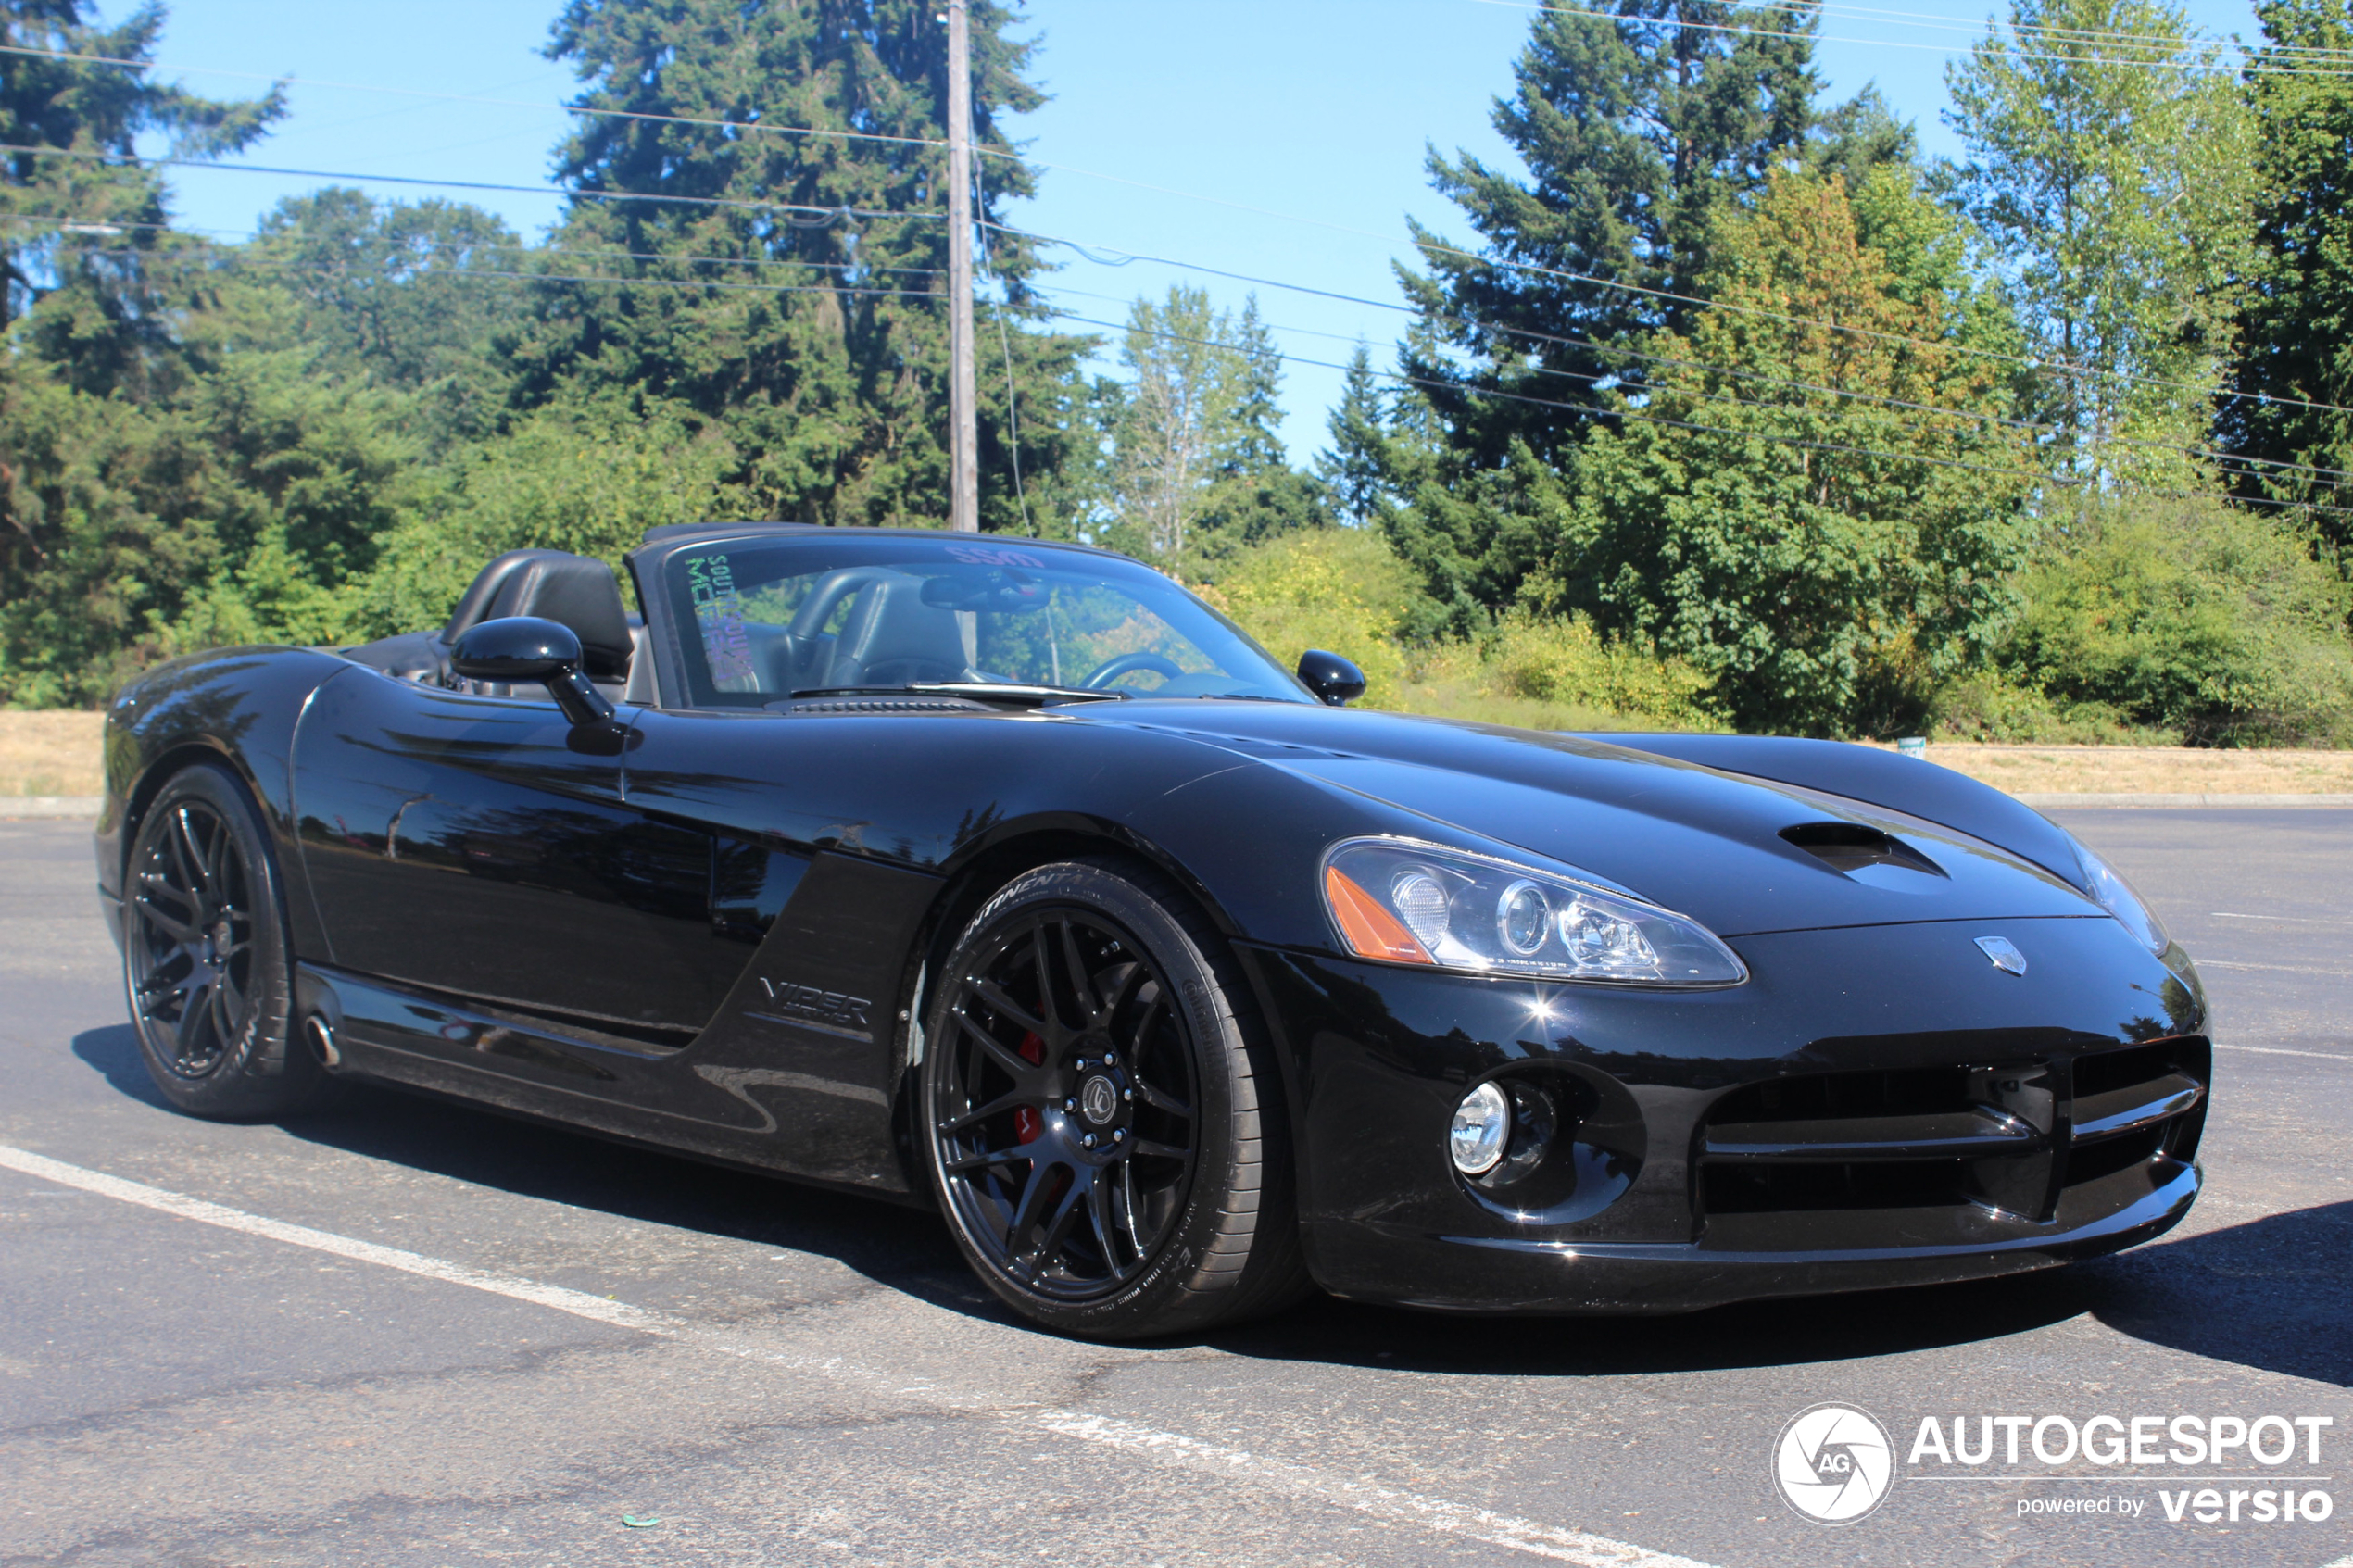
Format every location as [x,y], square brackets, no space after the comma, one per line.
[2015,51]
[709,122]
[214,238]
[1931,21]
[1592,412]
[1875,400]
[1589,410]
[1482,324]
[1430,247]
[1421,240]
[463,273]
[1586,410]
[2211,453]
[828,214]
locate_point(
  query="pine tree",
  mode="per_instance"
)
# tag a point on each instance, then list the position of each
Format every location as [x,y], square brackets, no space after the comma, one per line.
[82,222]
[1638,124]
[818,336]
[1354,465]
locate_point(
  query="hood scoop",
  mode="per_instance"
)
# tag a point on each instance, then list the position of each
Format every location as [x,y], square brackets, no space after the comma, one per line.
[1859,850]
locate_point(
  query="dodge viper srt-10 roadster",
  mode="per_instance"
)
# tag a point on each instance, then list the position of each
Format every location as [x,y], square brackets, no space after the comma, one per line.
[1010,878]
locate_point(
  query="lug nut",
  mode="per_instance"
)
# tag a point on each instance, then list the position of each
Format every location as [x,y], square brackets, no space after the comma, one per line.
[1111,1059]
[1087,1141]
[1119,1134]
[1070,1105]
[1128,1095]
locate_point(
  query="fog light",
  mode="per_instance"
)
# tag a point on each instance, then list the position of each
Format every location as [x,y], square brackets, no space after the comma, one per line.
[1482,1126]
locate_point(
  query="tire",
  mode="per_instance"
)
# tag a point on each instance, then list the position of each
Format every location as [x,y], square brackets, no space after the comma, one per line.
[206,960]
[1102,1120]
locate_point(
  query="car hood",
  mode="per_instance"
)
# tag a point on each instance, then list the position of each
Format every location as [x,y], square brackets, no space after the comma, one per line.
[1732,851]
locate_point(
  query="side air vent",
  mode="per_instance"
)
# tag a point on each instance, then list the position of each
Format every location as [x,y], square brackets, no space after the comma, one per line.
[1854,847]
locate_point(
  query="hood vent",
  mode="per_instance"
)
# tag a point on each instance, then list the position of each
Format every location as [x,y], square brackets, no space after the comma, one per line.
[1855,846]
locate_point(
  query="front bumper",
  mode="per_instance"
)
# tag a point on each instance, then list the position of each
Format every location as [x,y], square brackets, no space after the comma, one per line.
[1876,1106]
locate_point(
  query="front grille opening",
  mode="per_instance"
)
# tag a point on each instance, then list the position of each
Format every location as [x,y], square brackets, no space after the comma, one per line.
[2117,1070]
[1782,1189]
[1820,1096]
[2090,1161]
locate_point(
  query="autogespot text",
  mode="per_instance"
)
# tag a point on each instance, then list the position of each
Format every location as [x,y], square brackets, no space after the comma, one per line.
[2229,1469]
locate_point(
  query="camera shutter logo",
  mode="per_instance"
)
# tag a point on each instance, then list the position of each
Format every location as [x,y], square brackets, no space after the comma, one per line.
[1834,1464]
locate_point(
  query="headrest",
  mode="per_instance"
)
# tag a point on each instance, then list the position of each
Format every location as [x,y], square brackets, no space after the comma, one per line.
[572,591]
[475,607]
[889,630]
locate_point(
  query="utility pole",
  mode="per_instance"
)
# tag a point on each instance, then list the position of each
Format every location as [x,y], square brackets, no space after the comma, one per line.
[963,421]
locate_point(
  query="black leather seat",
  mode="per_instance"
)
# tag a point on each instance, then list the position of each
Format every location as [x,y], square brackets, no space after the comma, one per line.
[891,637]
[572,591]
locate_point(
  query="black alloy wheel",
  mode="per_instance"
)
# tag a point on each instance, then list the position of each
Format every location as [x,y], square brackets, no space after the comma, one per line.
[192,943]
[1097,1137]
[204,952]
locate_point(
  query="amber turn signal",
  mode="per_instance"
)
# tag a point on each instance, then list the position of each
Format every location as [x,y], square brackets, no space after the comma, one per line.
[1371,930]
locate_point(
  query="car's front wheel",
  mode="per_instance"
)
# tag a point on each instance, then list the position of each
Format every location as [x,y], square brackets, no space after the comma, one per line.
[205,955]
[1102,1122]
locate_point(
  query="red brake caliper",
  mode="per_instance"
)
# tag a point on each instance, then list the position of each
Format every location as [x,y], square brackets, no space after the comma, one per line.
[1028,1124]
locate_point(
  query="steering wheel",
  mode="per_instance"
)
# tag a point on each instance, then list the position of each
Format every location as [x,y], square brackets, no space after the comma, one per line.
[1111,670]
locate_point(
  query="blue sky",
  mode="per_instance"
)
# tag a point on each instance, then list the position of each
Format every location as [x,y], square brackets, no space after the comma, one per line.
[1281,139]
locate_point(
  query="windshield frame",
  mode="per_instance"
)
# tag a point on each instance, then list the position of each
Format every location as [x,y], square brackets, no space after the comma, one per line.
[670,626]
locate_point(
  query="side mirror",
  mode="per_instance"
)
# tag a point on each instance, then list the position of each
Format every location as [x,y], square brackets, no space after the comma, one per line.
[524,647]
[1334,681]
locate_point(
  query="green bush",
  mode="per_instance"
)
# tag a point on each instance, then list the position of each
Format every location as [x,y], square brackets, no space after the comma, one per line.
[2187,616]
[1346,590]
[1567,661]
[1340,589]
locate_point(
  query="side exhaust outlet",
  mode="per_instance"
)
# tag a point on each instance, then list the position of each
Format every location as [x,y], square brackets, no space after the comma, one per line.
[322,1038]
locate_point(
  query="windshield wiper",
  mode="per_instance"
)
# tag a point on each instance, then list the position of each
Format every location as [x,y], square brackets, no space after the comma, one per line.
[985,690]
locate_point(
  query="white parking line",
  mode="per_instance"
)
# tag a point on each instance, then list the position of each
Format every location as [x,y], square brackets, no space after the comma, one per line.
[2282,1051]
[1306,1483]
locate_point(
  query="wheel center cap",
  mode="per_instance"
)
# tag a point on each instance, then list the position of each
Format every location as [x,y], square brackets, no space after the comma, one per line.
[1098,1099]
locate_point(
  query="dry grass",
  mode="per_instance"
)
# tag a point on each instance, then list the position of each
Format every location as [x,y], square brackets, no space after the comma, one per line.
[2148,769]
[57,754]
[49,753]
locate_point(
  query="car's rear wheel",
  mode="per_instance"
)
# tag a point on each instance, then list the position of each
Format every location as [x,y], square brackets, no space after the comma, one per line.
[1102,1125]
[205,954]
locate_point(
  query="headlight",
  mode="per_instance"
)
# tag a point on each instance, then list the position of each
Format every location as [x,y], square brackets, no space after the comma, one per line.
[2117,897]
[1403,902]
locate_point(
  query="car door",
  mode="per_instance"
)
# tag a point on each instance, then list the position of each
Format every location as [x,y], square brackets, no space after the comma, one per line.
[481,846]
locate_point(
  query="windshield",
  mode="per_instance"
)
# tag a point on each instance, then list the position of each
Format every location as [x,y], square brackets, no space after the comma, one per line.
[762,620]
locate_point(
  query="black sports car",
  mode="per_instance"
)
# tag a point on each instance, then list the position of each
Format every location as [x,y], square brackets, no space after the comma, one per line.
[1011,878]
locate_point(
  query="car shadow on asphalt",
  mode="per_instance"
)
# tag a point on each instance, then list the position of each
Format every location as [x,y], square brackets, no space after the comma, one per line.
[903,1247]
[2275,1294]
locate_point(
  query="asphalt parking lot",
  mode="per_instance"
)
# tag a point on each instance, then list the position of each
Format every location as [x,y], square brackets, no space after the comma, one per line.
[411,1334]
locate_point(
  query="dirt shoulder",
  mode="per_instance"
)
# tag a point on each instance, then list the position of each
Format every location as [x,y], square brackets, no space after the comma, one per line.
[49,753]
[2148,769]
